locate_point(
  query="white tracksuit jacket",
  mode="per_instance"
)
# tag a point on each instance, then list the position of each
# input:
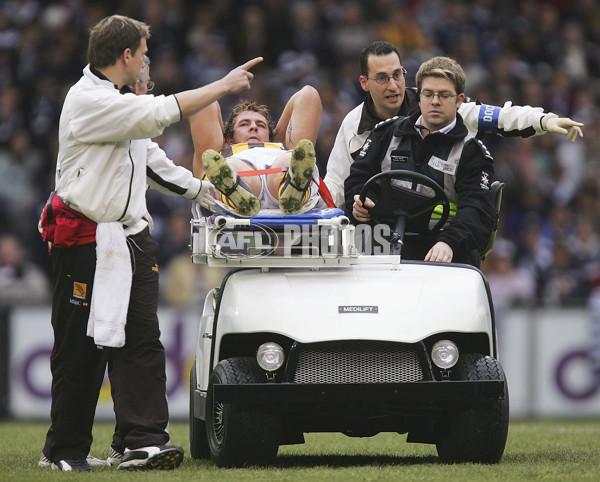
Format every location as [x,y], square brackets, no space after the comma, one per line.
[106,159]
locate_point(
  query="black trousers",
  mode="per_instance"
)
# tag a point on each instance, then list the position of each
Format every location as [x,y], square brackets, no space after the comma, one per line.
[136,371]
[417,247]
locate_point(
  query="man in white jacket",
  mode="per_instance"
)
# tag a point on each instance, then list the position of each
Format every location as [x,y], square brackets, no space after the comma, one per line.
[383,78]
[105,162]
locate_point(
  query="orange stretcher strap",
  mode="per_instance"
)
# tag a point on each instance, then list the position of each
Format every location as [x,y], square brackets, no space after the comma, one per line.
[323,190]
[273,170]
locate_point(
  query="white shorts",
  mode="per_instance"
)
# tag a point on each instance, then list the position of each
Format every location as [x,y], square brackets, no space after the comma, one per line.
[262,158]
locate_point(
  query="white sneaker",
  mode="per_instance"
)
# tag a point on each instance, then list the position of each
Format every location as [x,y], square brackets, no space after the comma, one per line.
[161,457]
[44,461]
[72,465]
[114,457]
[93,461]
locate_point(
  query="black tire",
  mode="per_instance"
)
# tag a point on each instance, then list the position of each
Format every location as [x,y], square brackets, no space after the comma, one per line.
[198,441]
[478,433]
[240,434]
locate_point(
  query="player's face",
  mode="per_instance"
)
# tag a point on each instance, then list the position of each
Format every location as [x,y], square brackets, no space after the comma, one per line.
[250,126]
[439,110]
[387,97]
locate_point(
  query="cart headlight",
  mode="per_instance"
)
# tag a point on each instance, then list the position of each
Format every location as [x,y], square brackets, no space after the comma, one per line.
[444,354]
[270,356]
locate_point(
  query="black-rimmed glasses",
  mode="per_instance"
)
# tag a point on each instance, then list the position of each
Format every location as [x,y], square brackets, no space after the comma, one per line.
[384,79]
[442,96]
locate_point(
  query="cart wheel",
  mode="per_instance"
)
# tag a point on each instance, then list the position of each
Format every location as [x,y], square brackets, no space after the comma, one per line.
[240,434]
[198,441]
[477,433]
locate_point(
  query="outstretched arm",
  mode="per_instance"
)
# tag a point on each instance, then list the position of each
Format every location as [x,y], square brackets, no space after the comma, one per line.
[206,127]
[515,120]
[239,79]
[300,118]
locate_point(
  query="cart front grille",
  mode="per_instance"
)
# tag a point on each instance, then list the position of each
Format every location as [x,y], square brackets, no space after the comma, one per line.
[357,362]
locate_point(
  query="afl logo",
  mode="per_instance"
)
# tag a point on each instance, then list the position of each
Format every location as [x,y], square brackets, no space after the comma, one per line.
[232,243]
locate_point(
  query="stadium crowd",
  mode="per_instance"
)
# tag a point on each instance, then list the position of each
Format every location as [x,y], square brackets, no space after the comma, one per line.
[541,53]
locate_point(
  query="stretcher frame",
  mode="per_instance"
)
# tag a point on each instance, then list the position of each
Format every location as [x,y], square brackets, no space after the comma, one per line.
[317,238]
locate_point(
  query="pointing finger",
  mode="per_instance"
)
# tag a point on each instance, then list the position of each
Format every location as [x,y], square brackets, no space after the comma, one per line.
[251,63]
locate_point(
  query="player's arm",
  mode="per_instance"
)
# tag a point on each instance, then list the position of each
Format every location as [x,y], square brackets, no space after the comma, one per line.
[206,127]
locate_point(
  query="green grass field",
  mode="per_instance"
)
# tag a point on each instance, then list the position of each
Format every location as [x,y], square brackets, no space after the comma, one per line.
[549,450]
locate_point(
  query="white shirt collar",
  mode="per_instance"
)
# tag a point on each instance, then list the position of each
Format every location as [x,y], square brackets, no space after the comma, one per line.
[443,130]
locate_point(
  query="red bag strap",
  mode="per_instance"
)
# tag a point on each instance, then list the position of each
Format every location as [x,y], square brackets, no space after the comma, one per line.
[325,194]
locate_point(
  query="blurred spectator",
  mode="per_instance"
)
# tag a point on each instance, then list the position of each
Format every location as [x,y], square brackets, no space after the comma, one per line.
[575,58]
[559,226]
[185,284]
[44,107]
[584,245]
[20,163]
[21,282]
[12,117]
[350,34]
[510,285]
[511,50]
[534,255]
[594,309]
[175,235]
[565,284]
[402,31]
[22,12]
[309,31]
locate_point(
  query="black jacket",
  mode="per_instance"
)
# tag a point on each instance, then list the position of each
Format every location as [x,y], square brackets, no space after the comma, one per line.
[469,231]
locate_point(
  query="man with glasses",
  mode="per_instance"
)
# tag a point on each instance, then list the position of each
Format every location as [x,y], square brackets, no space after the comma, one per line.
[435,142]
[143,85]
[383,78]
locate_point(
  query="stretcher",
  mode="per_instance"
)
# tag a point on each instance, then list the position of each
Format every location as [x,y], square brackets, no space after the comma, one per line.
[316,237]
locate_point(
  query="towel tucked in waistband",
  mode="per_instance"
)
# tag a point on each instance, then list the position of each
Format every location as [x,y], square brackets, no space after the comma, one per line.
[112,286]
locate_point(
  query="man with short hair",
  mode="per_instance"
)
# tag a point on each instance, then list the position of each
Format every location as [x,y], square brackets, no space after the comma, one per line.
[115,456]
[434,142]
[383,78]
[280,159]
[104,260]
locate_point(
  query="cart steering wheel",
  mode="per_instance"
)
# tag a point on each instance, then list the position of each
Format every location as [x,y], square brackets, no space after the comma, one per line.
[398,196]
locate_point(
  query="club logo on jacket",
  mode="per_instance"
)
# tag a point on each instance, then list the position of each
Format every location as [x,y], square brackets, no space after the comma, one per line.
[485,180]
[365,148]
